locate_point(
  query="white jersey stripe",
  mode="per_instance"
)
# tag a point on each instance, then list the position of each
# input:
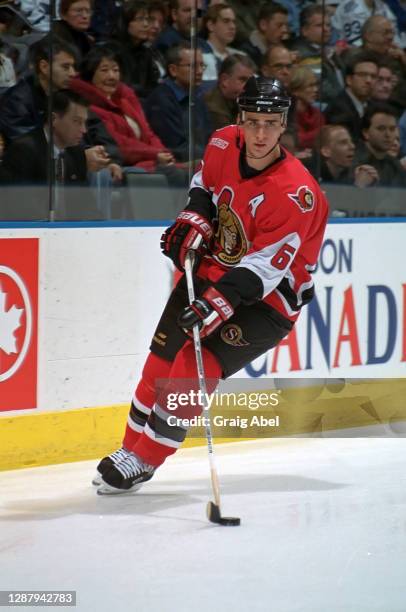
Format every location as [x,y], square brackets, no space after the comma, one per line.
[259,262]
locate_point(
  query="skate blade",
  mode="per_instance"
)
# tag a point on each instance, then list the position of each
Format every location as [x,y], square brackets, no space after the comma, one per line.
[105,489]
[97,480]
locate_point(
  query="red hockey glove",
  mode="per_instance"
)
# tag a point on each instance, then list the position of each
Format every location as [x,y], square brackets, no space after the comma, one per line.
[209,311]
[190,231]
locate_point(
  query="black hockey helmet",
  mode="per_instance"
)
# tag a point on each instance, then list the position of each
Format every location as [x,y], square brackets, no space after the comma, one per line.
[264,95]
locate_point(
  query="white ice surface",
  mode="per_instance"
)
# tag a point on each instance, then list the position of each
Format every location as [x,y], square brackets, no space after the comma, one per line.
[323,530]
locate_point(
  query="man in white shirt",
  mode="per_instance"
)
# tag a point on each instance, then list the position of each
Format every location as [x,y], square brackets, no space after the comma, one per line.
[351,15]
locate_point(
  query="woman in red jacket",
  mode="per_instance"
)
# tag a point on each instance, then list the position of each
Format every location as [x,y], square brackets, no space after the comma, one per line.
[120,110]
[308,120]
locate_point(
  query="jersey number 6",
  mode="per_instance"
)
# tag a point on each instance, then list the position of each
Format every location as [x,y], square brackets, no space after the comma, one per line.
[283,257]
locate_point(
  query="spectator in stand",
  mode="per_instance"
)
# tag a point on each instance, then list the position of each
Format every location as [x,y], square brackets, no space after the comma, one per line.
[334,163]
[293,7]
[272,29]
[246,12]
[350,105]
[351,15]
[25,106]
[220,26]
[330,8]
[120,110]
[141,72]
[379,130]
[26,159]
[395,150]
[307,119]
[382,88]
[313,49]
[378,35]
[222,100]
[73,25]
[179,32]
[314,35]
[157,19]
[168,105]
[277,62]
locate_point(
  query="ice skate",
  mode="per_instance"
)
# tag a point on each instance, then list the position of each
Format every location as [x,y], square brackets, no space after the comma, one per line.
[125,476]
[108,462]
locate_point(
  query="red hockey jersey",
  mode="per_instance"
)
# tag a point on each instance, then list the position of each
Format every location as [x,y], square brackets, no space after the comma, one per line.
[272,224]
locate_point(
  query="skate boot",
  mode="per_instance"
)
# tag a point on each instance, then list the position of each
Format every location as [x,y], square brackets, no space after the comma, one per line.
[126,476]
[108,462]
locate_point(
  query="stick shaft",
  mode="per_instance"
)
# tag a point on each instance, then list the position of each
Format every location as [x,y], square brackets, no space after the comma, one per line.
[202,381]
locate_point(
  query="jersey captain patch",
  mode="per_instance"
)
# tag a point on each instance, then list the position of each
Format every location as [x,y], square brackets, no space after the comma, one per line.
[304,198]
[230,244]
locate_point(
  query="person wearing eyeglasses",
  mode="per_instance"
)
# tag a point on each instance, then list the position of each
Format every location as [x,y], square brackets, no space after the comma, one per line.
[379,36]
[140,67]
[351,16]
[277,63]
[167,107]
[74,24]
[350,105]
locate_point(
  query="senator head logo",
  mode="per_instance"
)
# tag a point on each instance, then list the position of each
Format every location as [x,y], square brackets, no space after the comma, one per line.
[230,244]
[304,198]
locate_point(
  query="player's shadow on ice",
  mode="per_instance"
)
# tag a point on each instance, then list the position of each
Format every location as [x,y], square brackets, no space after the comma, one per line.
[157,497]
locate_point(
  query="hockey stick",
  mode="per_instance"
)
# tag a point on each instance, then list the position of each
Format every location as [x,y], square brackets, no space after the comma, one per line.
[213,509]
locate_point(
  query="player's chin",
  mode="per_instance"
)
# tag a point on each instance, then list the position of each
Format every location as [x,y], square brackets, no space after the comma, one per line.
[261,148]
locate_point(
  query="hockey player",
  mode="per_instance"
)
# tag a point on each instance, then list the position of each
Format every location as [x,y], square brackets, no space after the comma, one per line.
[256,220]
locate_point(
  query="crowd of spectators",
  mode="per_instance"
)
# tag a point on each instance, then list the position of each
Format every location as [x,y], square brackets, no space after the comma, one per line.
[122,68]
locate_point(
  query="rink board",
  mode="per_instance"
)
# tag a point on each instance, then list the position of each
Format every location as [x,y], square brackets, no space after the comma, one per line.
[100,292]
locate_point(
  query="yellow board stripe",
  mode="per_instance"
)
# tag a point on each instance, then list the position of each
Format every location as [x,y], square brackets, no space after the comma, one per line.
[88,433]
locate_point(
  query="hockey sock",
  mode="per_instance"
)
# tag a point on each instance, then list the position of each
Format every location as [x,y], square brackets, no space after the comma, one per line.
[144,398]
[161,436]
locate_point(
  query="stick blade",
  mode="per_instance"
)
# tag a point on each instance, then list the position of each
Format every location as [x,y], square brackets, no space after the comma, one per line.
[214,516]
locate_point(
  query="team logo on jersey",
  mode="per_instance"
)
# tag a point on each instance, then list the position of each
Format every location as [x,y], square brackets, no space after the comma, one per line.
[230,243]
[304,198]
[219,142]
[232,334]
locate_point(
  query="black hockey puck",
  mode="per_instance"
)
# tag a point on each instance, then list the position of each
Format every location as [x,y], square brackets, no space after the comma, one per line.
[214,516]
